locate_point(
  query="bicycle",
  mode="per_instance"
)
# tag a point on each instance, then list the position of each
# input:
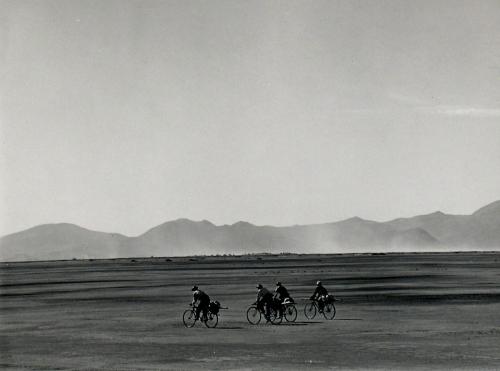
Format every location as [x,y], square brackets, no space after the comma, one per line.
[311,308]
[254,315]
[211,319]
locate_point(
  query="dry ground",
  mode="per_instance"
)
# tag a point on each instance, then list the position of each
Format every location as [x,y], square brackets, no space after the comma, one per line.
[398,311]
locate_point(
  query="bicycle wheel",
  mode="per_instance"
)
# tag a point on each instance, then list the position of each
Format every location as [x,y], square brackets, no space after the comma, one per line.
[189,318]
[310,310]
[212,320]
[290,313]
[329,311]
[253,315]
[274,316]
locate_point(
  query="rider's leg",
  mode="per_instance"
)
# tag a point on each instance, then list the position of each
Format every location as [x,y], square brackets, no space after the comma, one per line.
[321,304]
[283,306]
[198,310]
[268,309]
[205,312]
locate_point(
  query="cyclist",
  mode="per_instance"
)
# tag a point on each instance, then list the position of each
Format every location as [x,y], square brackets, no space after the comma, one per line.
[281,293]
[264,299]
[320,294]
[203,302]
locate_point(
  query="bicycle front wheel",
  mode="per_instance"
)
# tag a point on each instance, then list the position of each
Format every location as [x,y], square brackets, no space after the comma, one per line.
[329,311]
[253,315]
[189,318]
[290,313]
[310,310]
[212,320]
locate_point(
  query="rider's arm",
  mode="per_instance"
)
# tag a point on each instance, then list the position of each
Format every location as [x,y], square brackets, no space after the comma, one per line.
[259,295]
[313,296]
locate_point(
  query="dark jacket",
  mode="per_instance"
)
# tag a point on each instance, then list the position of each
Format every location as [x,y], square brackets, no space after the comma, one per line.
[263,295]
[320,291]
[200,296]
[282,292]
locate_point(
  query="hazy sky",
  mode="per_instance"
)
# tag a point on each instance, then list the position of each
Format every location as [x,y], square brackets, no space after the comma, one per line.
[120,115]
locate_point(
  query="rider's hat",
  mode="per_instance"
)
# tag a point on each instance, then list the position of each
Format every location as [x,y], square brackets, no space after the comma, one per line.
[318,283]
[278,283]
[259,286]
[194,288]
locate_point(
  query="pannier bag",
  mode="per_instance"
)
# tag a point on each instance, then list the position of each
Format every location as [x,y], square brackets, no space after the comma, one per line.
[330,298]
[214,307]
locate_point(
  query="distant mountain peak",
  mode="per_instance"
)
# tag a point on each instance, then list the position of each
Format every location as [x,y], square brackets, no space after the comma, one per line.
[242,223]
[493,208]
[186,221]
[51,227]
[189,221]
[182,220]
[437,213]
[179,223]
[354,219]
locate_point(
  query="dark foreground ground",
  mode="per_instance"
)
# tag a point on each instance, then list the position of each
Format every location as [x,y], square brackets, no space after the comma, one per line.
[418,311]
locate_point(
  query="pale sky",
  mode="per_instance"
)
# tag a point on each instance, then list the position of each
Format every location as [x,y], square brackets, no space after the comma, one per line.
[121,115]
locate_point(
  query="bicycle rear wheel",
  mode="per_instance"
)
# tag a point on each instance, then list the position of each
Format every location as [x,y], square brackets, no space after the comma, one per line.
[310,310]
[189,318]
[290,313]
[212,320]
[329,311]
[253,315]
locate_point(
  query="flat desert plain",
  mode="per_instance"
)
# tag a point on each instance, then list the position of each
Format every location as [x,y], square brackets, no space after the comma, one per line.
[396,311]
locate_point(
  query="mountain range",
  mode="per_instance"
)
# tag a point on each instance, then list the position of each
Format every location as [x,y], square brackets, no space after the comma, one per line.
[183,237]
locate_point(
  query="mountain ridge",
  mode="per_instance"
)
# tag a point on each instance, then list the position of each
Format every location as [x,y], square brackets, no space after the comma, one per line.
[436,231]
